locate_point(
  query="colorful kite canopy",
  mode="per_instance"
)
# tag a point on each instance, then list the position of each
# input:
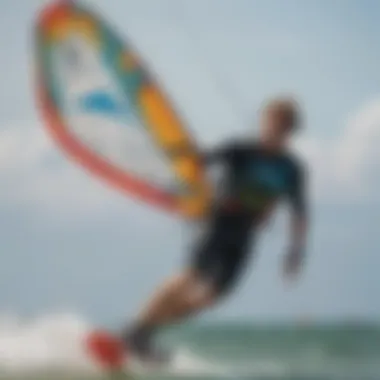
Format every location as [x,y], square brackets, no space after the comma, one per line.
[104,109]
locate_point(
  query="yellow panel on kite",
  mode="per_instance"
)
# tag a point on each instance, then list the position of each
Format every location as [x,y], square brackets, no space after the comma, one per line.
[104,109]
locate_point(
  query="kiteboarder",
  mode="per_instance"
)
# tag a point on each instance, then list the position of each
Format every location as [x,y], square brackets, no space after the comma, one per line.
[259,172]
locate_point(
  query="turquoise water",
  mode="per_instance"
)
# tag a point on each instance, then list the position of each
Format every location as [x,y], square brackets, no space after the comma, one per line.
[50,349]
[320,352]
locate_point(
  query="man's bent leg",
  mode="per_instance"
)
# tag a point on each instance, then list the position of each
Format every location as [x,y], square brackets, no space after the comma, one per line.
[182,291]
[214,266]
[201,295]
[180,297]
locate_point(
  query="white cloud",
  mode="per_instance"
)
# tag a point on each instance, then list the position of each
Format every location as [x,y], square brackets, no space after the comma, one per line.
[358,154]
[34,174]
[346,169]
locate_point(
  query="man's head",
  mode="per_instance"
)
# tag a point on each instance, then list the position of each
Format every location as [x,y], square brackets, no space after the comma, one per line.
[280,119]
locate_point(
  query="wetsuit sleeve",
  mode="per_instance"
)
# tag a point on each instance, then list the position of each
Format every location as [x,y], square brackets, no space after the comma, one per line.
[297,193]
[220,154]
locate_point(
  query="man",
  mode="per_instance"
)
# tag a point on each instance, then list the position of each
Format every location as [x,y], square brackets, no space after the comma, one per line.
[257,175]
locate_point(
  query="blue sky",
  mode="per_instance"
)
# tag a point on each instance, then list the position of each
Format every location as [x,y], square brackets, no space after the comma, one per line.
[69,242]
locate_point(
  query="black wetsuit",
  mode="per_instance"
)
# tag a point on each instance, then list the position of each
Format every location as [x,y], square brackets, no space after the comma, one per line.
[254,179]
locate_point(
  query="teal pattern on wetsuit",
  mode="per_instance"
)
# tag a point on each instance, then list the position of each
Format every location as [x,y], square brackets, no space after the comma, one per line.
[254,179]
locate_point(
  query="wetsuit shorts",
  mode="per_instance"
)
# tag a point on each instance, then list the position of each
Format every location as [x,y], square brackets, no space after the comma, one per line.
[220,253]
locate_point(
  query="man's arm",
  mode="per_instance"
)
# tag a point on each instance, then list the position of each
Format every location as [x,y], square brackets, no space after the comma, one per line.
[298,225]
[220,153]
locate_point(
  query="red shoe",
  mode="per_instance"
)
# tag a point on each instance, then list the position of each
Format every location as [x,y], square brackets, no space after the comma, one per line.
[106,350]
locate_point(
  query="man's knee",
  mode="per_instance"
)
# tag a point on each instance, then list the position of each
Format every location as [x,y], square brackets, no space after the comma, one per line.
[203,295]
[179,281]
[196,291]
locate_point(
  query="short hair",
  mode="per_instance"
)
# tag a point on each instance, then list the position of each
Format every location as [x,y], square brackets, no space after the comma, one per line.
[288,107]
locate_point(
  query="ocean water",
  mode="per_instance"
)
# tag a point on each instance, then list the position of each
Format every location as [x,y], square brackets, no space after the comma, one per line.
[51,348]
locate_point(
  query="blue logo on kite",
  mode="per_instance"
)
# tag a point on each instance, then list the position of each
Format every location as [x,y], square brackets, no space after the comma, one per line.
[103,103]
